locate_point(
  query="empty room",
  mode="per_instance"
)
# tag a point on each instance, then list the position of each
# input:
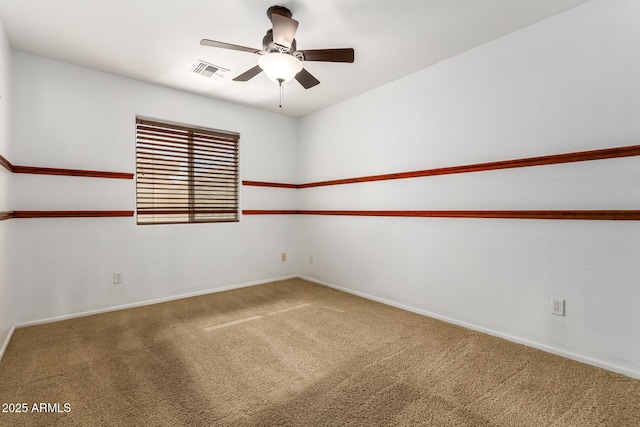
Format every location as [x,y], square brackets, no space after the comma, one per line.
[414,212]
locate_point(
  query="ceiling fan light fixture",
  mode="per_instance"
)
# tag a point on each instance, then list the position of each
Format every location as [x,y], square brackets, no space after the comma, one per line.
[280,67]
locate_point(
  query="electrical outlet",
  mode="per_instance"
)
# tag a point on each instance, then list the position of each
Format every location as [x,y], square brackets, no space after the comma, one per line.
[283,256]
[310,259]
[118,277]
[557,306]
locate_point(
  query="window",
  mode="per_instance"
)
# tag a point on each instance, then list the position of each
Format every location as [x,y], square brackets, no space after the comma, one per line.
[185,174]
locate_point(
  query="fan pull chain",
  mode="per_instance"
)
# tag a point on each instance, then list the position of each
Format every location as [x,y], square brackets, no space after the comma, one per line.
[281,92]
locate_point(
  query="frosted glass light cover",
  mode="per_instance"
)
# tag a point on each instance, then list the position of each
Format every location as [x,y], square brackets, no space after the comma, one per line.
[280,66]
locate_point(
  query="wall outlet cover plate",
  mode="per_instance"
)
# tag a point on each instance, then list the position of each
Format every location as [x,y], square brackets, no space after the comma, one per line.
[557,306]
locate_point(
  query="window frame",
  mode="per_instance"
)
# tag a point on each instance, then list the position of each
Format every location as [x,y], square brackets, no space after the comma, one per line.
[204,160]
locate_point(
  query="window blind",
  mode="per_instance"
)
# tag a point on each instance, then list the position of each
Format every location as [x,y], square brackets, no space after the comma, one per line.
[185,174]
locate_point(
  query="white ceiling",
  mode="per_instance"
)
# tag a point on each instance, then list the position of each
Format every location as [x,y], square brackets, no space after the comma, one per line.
[158,40]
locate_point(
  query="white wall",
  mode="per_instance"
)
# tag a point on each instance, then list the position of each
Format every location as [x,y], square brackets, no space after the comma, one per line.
[569,83]
[71,117]
[6,313]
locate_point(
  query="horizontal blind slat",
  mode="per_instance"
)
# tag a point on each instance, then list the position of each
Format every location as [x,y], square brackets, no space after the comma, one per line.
[179,144]
[184,157]
[176,131]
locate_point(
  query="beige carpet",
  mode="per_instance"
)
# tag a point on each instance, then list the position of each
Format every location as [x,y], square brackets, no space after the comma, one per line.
[295,353]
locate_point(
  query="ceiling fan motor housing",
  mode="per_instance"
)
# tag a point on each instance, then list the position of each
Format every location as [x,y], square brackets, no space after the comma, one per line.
[269,46]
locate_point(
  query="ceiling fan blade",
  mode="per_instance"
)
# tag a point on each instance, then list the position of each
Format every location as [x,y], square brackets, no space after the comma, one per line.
[284,29]
[329,55]
[248,75]
[306,79]
[223,45]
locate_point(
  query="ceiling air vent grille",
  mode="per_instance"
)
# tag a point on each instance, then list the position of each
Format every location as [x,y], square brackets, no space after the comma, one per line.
[209,70]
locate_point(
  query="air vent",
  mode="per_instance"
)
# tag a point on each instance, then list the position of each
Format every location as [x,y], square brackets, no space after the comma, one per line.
[209,70]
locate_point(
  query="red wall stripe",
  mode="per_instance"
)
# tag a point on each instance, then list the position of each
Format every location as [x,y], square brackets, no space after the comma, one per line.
[65,172]
[6,163]
[628,215]
[71,214]
[71,172]
[269,184]
[5,215]
[37,170]
[270,212]
[580,156]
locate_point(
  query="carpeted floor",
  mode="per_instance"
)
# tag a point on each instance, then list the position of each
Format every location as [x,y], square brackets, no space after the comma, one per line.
[299,354]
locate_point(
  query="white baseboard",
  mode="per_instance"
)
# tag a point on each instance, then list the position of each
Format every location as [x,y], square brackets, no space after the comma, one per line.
[5,344]
[148,302]
[549,349]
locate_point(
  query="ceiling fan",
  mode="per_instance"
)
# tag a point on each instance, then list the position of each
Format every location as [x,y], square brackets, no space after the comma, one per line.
[279,57]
